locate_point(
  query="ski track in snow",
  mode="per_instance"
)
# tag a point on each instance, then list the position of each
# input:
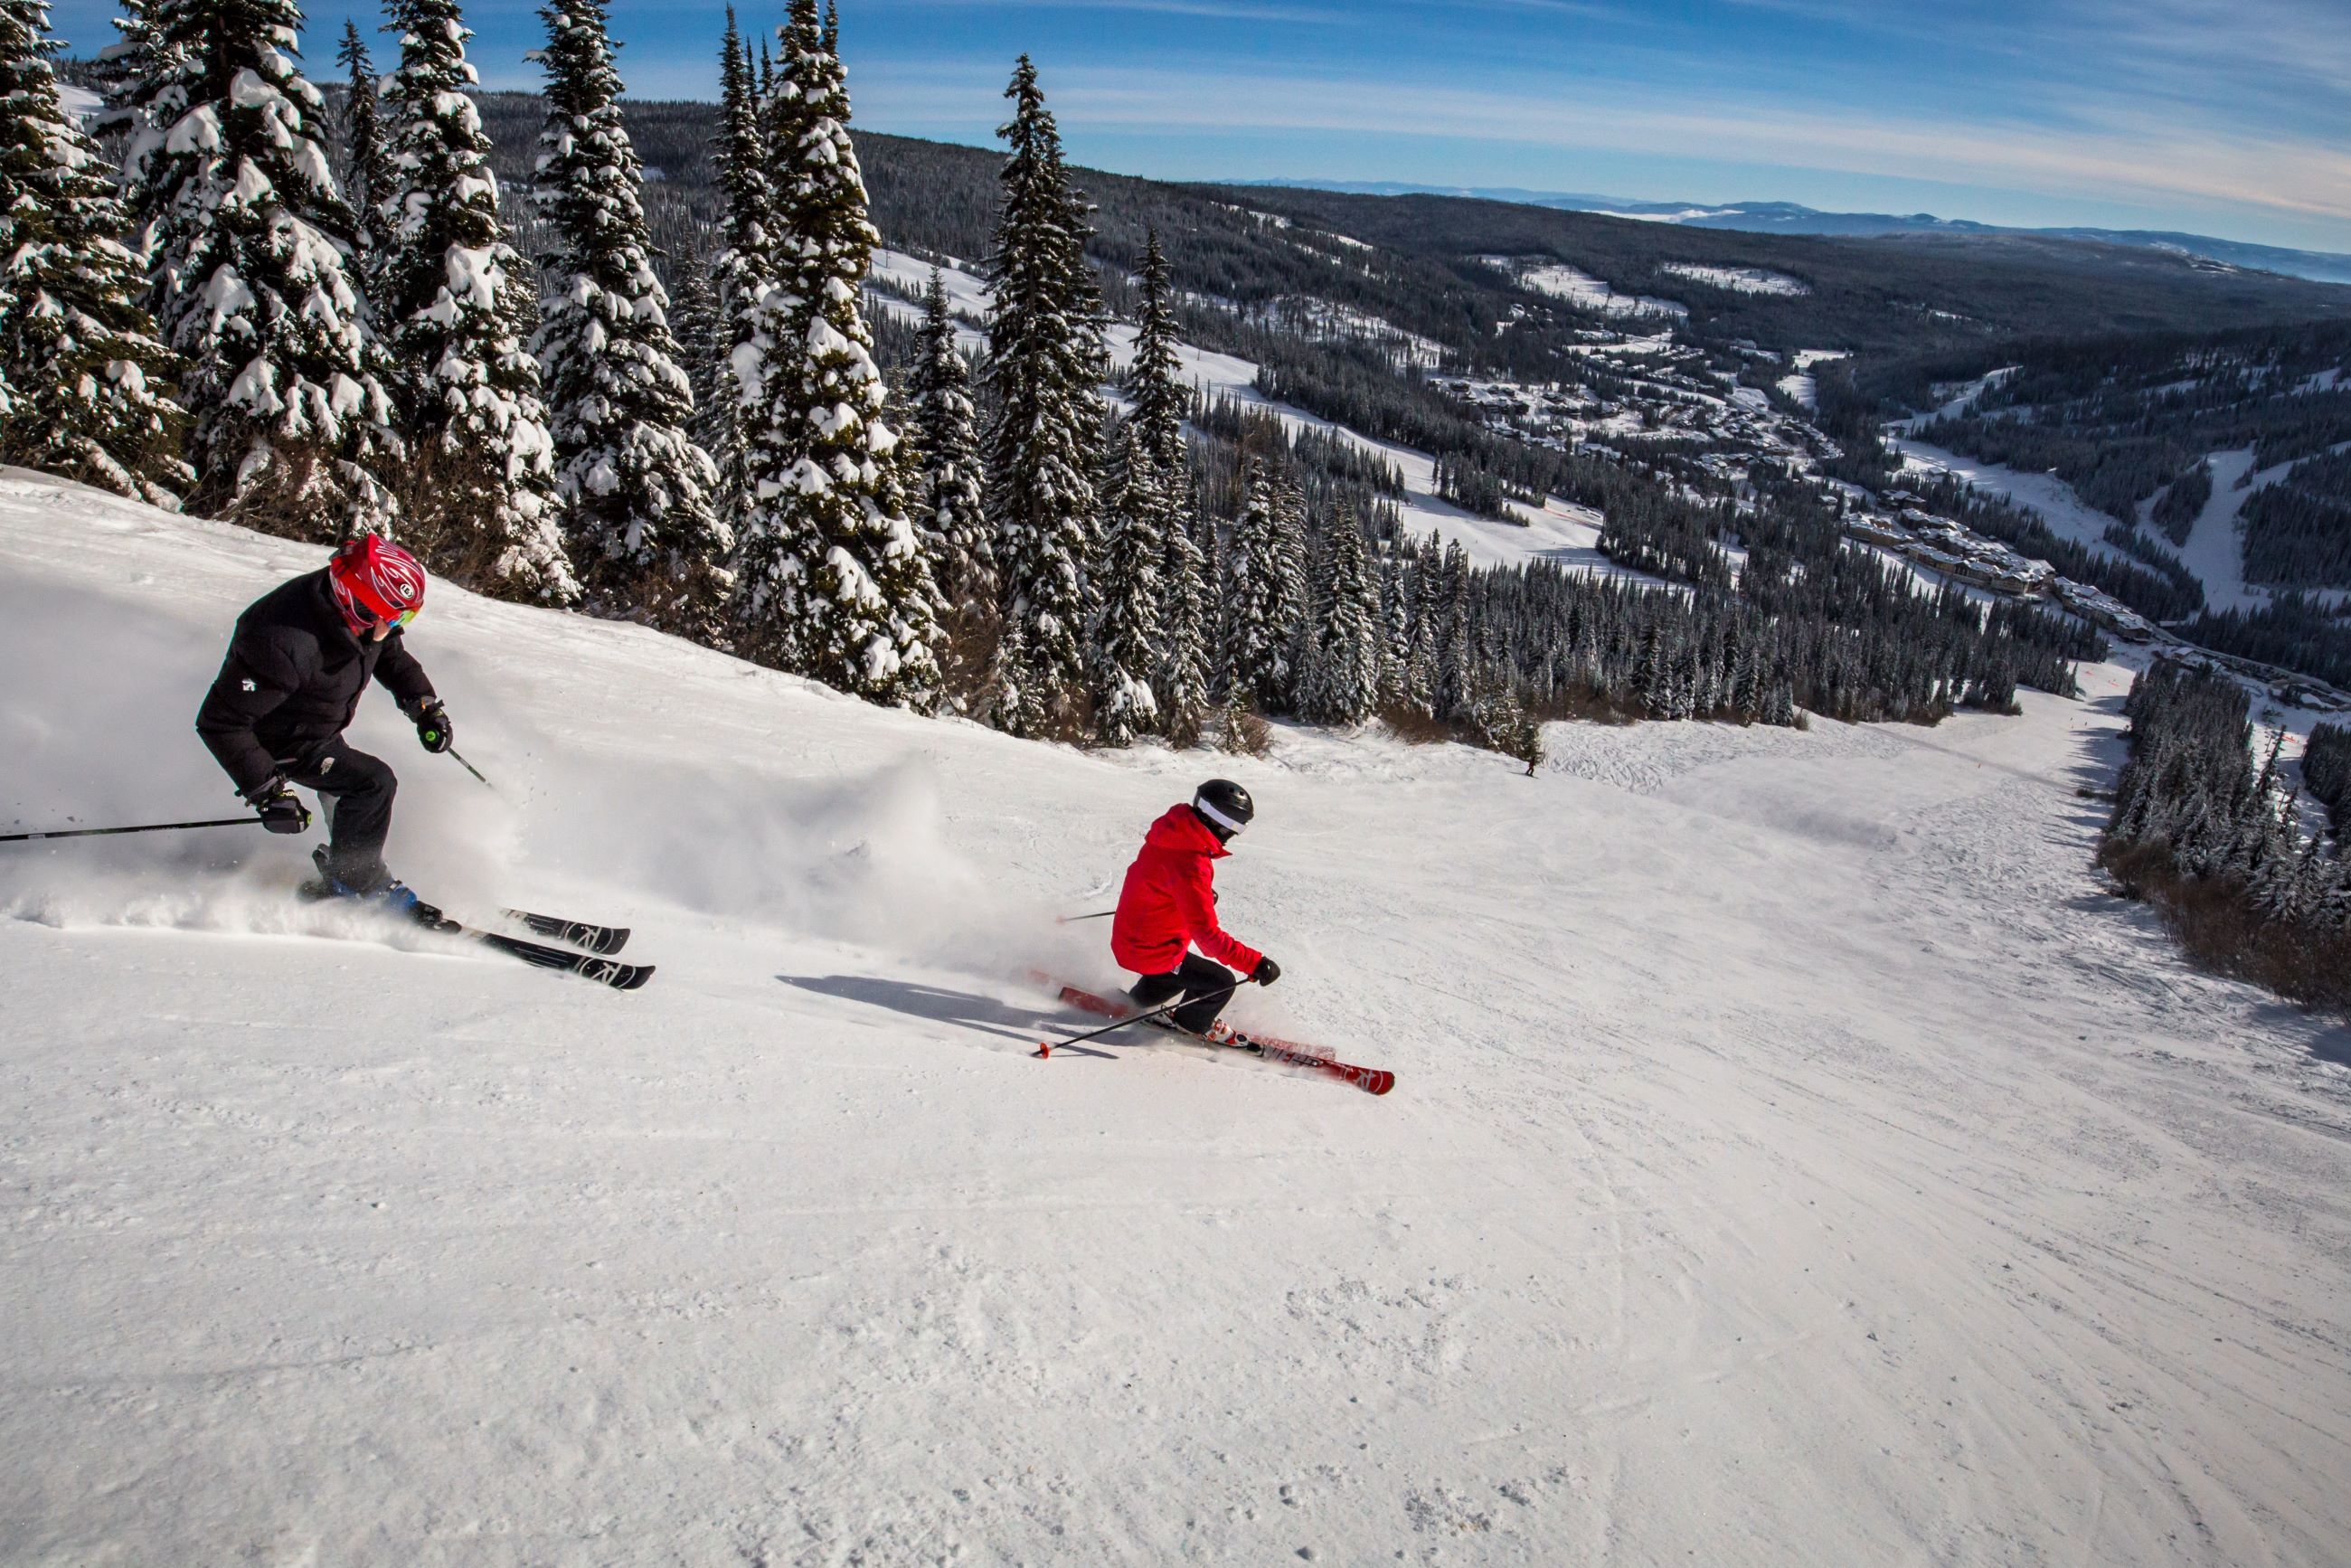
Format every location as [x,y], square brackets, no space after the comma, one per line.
[1796,1157]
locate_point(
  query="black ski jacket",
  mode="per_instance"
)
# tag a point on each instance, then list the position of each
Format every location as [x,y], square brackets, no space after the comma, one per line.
[292,681]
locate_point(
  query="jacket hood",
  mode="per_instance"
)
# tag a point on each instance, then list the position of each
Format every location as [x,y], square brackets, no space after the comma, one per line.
[1181,829]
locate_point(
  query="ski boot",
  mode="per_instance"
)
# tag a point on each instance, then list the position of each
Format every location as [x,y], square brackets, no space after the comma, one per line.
[382,890]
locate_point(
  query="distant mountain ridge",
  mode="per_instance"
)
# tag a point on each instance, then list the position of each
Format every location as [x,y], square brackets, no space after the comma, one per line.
[1792,217]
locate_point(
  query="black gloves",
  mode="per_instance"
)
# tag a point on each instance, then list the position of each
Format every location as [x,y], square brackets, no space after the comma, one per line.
[281,810]
[432,724]
[1267,972]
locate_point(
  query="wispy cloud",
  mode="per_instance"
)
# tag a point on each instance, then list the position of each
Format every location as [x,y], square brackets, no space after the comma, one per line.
[2100,145]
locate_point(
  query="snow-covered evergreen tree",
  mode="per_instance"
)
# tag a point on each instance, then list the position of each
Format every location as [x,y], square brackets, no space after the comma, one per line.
[1454,667]
[1161,404]
[1014,705]
[1127,630]
[944,429]
[1396,628]
[124,65]
[367,161]
[1291,596]
[1257,668]
[1045,366]
[1502,723]
[637,490]
[743,269]
[1161,400]
[1187,593]
[703,352]
[1340,684]
[83,384]
[1424,588]
[245,241]
[481,489]
[827,527]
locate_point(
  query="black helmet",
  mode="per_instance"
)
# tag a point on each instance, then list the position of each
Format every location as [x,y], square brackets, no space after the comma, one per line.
[1225,805]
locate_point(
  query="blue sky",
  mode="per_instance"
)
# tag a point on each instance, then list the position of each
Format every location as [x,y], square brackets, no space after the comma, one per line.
[2228,118]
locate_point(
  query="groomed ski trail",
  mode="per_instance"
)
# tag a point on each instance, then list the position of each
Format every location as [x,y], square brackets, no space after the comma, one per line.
[1797,1158]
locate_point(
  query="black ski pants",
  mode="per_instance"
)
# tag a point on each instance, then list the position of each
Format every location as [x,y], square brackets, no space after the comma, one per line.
[1205,984]
[357,790]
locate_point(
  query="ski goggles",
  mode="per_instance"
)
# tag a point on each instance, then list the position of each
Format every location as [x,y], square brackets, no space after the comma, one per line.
[370,619]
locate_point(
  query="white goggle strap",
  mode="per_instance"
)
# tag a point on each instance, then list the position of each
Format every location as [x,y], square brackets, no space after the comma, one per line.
[1202,806]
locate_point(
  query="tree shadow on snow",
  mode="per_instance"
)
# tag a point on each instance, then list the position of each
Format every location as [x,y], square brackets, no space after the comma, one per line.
[963,1009]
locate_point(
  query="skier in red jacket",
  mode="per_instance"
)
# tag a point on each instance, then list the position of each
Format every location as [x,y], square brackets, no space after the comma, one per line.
[1169,902]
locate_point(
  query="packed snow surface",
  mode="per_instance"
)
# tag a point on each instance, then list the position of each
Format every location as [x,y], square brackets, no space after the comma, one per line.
[1796,1158]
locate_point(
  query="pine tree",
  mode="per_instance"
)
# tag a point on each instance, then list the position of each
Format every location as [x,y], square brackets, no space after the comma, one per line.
[1015,709]
[1127,631]
[1186,587]
[636,488]
[482,490]
[944,427]
[368,178]
[777,548]
[1423,589]
[743,270]
[1255,670]
[945,496]
[1455,672]
[245,241]
[83,384]
[1161,400]
[1044,367]
[1291,595]
[1341,682]
[124,65]
[1396,628]
[827,529]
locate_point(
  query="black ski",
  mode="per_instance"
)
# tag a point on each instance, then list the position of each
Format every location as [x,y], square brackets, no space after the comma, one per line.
[579,933]
[587,966]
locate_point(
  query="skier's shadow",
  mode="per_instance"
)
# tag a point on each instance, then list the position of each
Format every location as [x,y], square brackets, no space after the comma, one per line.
[985,1014]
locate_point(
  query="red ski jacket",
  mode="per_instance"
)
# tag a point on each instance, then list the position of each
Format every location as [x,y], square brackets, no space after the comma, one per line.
[1170,901]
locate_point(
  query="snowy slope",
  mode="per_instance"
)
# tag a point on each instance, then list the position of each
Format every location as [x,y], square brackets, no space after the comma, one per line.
[1795,1159]
[2046,496]
[2215,551]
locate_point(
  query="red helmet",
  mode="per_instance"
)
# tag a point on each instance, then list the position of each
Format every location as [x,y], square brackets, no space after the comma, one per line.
[375,581]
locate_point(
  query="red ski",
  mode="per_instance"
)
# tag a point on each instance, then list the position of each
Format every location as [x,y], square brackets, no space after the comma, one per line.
[1288,1053]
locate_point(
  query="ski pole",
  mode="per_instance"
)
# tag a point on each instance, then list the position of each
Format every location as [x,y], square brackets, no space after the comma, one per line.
[1045,1047]
[144,827]
[1074,919]
[471,769]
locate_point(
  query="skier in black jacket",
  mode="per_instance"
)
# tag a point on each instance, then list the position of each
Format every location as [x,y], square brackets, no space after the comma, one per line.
[302,654]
